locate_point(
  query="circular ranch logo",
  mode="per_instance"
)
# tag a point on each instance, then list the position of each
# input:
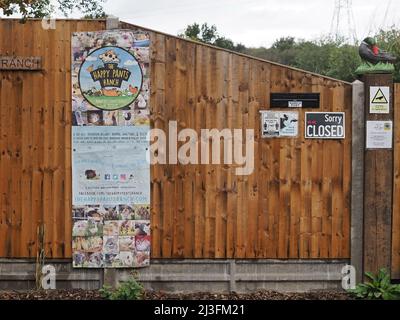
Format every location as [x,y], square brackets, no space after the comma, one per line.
[110,78]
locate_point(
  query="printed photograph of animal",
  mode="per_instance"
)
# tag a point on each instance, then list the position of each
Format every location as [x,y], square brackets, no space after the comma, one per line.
[111,92]
[110,118]
[133,90]
[91,174]
[95,260]
[110,244]
[127,243]
[127,258]
[94,118]
[109,57]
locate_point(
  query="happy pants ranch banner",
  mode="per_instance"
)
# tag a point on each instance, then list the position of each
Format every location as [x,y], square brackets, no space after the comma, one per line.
[110,174]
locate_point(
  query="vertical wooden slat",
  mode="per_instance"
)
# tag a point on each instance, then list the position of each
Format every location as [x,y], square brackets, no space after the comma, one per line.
[210,176]
[169,181]
[232,106]
[190,176]
[253,215]
[200,188]
[220,170]
[157,121]
[347,165]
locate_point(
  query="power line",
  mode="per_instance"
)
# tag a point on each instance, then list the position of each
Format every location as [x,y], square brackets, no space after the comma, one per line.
[386,14]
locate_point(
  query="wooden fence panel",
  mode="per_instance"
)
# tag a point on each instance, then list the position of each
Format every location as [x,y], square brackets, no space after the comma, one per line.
[296,203]
[35,145]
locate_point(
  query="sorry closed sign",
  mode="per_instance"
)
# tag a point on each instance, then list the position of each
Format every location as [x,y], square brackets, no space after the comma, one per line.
[325,125]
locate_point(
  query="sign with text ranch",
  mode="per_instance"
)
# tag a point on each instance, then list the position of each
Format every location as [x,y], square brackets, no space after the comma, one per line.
[110,173]
[325,125]
[20,63]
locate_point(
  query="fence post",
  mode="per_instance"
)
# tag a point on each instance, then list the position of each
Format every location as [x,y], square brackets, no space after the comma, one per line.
[378,181]
[357,178]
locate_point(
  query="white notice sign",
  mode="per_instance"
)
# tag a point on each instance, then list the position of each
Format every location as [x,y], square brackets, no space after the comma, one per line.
[279,124]
[379,134]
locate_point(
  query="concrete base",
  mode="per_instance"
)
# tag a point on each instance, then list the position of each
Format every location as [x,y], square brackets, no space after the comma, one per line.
[174,275]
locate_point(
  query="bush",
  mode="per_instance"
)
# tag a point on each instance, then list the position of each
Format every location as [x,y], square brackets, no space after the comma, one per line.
[378,288]
[129,290]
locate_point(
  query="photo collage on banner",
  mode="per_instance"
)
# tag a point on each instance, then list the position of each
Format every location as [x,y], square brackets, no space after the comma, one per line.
[110,173]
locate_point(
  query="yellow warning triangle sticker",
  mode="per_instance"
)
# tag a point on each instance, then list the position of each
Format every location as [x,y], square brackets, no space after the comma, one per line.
[379,97]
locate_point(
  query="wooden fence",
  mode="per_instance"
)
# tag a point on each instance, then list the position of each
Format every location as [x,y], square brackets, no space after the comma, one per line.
[296,204]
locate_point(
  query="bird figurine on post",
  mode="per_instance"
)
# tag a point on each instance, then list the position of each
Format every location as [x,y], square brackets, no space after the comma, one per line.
[375,60]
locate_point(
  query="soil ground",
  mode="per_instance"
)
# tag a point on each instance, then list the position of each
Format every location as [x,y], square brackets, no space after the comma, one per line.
[78,294]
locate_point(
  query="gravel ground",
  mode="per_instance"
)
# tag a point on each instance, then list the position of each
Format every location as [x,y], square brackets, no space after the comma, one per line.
[78,294]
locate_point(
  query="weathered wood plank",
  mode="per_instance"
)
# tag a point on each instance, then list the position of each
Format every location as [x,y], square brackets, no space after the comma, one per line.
[396,187]
[378,189]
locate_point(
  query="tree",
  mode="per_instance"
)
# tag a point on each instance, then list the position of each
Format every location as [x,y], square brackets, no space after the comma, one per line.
[284,43]
[314,56]
[44,8]
[343,61]
[192,32]
[324,56]
[203,33]
[209,34]
[283,50]
[223,42]
[389,40]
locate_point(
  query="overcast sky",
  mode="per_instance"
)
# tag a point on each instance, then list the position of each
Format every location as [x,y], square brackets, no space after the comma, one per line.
[256,22]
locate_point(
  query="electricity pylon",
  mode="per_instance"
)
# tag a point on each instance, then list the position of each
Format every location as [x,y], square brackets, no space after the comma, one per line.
[343,24]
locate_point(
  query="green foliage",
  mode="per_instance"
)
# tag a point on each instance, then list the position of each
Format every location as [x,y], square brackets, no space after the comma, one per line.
[191,32]
[325,56]
[35,9]
[343,62]
[378,288]
[283,50]
[314,56]
[209,34]
[223,42]
[389,40]
[44,8]
[129,290]
[330,57]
